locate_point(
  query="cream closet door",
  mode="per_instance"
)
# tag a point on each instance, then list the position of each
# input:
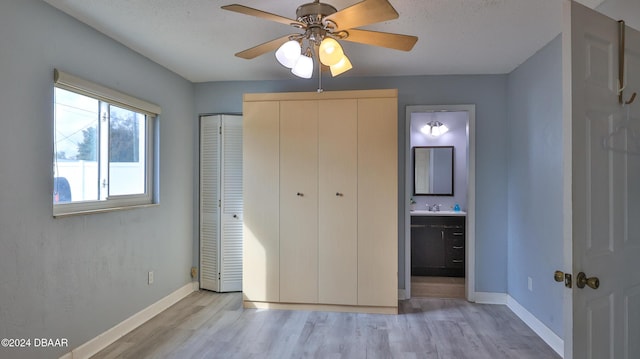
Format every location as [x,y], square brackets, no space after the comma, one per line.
[606,189]
[299,201]
[221,203]
[377,202]
[338,202]
[261,264]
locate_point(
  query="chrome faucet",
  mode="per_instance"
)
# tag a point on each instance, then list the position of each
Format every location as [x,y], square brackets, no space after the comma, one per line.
[434,208]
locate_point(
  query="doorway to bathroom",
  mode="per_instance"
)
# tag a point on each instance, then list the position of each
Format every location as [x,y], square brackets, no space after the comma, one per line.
[439,219]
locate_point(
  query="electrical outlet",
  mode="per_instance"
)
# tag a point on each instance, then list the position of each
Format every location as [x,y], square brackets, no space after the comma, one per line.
[151,277]
[530,284]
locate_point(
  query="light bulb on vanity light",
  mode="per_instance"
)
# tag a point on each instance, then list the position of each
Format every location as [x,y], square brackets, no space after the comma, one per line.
[434,128]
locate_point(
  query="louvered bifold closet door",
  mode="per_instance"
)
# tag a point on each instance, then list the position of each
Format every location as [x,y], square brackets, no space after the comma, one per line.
[231,214]
[209,201]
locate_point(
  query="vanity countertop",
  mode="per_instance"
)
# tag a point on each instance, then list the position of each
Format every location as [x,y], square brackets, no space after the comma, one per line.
[420,212]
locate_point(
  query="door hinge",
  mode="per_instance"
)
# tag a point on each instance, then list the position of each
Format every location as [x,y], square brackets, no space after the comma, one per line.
[219,203]
[220,129]
[218,275]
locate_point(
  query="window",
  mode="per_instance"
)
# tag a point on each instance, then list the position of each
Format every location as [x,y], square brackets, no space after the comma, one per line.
[103,148]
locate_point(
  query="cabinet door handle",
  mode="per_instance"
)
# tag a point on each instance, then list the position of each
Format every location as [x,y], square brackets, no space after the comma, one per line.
[457,261]
[442,235]
[457,247]
[418,226]
[300,194]
[458,234]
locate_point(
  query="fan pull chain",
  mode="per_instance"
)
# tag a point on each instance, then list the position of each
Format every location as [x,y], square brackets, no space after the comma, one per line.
[320,90]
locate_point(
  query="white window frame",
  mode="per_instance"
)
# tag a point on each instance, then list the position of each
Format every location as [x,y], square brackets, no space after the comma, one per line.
[83,87]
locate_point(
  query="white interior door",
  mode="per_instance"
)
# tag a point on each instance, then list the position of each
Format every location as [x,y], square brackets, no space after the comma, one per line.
[605,190]
[209,202]
[231,205]
[221,203]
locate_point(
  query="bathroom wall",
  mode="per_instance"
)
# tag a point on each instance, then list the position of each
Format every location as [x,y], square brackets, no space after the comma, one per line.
[457,123]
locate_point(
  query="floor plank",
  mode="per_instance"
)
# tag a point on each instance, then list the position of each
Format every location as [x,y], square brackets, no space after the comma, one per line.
[213,325]
[437,287]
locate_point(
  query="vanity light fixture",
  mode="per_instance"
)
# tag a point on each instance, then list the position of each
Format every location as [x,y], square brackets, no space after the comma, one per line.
[434,128]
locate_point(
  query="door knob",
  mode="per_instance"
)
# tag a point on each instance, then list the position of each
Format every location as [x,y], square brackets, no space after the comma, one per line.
[300,194]
[558,276]
[582,280]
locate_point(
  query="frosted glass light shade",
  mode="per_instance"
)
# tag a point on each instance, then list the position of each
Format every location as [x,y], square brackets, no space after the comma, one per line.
[435,129]
[439,130]
[303,67]
[330,52]
[343,65]
[288,53]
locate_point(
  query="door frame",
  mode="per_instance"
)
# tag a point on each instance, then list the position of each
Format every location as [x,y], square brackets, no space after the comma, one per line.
[470,251]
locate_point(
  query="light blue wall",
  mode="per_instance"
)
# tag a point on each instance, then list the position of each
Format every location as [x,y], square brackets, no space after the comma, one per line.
[76,277]
[535,232]
[487,92]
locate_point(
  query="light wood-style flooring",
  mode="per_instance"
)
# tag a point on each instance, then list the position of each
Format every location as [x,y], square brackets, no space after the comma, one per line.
[437,287]
[212,325]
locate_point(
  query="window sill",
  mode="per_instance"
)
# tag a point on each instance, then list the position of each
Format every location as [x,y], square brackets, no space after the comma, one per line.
[103,210]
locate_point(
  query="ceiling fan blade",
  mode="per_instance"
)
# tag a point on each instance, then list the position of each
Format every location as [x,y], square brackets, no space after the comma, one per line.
[262,48]
[262,14]
[383,39]
[363,13]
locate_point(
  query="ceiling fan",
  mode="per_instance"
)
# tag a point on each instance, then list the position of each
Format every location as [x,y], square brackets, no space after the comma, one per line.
[323,25]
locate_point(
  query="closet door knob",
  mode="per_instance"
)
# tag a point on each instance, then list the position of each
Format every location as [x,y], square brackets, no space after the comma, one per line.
[339,194]
[299,194]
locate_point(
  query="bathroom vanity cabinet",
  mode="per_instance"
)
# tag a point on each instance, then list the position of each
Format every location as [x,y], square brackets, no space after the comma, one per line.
[438,245]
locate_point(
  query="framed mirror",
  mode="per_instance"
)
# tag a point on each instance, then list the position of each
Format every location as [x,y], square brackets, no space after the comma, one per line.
[433,170]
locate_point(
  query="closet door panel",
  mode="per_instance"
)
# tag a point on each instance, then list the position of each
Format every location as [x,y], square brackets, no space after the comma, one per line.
[338,206]
[260,275]
[299,201]
[377,202]
[231,205]
[209,197]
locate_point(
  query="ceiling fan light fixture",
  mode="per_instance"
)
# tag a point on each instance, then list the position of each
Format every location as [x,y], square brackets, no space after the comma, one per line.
[330,51]
[289,53]
[303,67]
[342,66]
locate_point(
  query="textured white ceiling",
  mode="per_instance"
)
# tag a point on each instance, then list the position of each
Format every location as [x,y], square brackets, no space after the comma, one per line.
[198,40]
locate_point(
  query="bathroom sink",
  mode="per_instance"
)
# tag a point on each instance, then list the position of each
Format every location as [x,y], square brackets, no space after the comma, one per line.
[420,212]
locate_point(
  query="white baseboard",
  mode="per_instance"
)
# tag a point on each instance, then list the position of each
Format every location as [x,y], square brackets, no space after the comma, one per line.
[490,298]
[555,342]
[103,340]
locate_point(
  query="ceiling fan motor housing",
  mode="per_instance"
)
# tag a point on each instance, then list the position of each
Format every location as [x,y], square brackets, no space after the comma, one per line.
[313,13]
